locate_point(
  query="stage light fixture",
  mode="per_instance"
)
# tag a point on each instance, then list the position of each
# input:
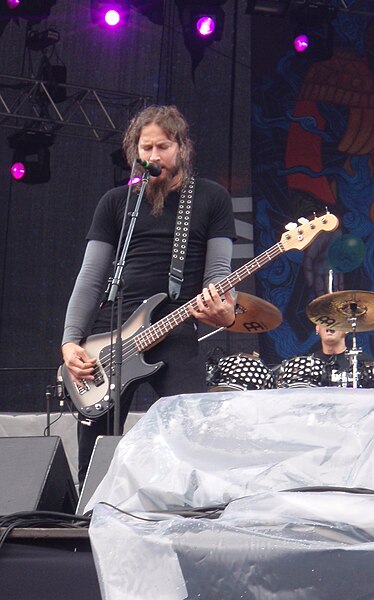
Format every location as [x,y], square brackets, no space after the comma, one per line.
[12,4]
[18,170]
[40,40]
[313,31]
[53,74]
[206,25]
[301,42]
[109,14]
[202,24]
[268,8]
[31,156]
[314,41]
[152,9]
[32,10]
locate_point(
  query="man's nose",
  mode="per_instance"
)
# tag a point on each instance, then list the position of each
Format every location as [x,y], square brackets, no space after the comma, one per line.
[154,155]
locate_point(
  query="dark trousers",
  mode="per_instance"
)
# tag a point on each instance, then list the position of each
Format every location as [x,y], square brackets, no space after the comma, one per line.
[184,373]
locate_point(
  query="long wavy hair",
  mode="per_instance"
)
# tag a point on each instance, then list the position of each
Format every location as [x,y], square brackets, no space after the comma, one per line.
[174,125]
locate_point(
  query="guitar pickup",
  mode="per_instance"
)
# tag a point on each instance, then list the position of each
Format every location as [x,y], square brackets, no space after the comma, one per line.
[99,380]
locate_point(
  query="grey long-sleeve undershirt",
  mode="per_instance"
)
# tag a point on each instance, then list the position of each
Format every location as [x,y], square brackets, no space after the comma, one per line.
[91,281]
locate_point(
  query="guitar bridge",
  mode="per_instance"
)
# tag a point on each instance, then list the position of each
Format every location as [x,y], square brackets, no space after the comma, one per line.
[82,388]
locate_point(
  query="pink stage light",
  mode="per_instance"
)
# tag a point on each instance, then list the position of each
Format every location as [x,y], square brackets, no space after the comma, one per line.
[205,26]
[18,170]
[135,180]
[13,3]
[112,17]
[301,43]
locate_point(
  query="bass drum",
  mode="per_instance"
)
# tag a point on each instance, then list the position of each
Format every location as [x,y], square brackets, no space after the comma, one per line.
[301,371]
[243,372]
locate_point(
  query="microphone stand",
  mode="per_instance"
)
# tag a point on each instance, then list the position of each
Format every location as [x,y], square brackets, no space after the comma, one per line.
[116,292]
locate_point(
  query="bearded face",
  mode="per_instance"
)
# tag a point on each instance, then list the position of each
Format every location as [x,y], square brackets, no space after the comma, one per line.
[155,146]
[159,187]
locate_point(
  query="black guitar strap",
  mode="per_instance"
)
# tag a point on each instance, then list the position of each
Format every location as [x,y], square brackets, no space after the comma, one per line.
[181,233]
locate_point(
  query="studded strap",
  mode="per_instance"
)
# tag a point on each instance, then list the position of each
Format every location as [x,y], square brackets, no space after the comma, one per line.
[181,233]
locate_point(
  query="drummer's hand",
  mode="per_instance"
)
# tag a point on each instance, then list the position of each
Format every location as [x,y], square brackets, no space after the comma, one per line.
[213,309]
[79,364]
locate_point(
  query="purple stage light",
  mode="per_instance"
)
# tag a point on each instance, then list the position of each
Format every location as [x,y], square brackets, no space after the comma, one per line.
[112,17]
[18,170]
[135,180]
[205,26]
[13,3]
[301,43]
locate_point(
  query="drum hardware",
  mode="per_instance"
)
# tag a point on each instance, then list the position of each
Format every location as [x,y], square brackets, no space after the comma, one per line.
[212,369]
[354,352]
[340,378]
[252,315]
[204,337]
[350,311]
[344,377]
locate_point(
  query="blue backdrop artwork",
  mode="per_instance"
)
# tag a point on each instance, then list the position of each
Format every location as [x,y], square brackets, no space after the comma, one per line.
[313,149]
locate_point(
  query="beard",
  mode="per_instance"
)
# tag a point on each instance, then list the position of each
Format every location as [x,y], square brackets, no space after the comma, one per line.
[158,189]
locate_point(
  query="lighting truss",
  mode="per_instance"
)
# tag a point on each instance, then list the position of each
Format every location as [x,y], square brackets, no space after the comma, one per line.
[281,8]
[86,113]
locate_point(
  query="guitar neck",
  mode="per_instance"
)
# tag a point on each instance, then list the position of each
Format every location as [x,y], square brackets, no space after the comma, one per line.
[155,332]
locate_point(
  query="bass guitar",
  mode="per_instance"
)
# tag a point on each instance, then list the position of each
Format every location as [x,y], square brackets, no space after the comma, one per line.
[93,398]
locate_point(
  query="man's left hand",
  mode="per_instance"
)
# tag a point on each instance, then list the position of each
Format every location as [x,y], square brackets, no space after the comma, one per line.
[213,309]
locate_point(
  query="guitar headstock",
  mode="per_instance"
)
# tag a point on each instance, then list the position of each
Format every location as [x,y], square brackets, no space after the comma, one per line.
[303,235]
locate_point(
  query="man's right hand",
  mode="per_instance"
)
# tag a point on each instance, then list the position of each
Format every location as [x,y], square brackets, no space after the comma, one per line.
[80,365]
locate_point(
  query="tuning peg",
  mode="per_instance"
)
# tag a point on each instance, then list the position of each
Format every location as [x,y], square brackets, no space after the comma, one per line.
[302,221]
[291,226]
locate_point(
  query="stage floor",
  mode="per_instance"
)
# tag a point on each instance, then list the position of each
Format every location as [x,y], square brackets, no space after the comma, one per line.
[41,564]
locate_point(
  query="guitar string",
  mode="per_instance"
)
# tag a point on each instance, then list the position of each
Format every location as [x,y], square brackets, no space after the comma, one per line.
[144,339]
[141,341]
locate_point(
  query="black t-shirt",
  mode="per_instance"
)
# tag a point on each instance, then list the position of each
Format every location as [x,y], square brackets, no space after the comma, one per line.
[149,254]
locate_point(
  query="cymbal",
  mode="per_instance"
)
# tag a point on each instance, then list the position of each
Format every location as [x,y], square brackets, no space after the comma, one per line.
[254,315]
[338,310]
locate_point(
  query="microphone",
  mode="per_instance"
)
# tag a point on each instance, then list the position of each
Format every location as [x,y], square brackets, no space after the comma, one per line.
[153,169]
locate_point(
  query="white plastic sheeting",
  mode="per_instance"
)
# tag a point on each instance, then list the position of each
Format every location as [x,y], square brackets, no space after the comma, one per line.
[212,449]
[275,545]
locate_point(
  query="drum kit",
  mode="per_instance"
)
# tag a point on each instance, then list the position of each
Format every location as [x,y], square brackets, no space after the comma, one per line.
[348,311]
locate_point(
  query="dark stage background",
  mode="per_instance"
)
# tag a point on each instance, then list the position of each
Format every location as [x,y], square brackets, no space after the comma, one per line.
[245,102]
[43,226]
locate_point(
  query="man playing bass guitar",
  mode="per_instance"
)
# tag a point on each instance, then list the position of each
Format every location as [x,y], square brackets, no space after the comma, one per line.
[158,136]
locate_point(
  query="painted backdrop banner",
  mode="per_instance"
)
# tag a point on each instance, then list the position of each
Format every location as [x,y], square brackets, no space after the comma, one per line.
[313,150]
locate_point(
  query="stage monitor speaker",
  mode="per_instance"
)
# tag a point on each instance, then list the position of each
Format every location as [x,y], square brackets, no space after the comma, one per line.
[35,476]
[101,458]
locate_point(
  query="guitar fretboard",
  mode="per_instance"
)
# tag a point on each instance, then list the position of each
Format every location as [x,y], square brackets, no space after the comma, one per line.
[158,330]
